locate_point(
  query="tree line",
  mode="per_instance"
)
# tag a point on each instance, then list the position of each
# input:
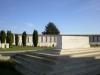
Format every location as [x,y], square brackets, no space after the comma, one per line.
[8,37]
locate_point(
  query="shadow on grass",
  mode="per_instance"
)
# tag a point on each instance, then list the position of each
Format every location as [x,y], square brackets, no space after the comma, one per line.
[7,67]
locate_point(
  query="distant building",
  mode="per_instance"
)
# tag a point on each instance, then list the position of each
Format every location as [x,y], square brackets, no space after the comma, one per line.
[94,39]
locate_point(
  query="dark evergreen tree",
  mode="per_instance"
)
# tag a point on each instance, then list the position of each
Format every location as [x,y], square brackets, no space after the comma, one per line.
[2,36]
[12,38]
[9,38]
[24,36]
[51,29]
[16,39]
[35,38]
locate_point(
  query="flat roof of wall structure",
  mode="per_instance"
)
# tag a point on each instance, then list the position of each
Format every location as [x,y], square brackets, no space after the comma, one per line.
[65,35]
[40,35]
[80,34]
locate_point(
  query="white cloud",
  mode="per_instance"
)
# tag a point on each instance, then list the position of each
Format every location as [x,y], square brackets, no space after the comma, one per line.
[29,24]
[90,5]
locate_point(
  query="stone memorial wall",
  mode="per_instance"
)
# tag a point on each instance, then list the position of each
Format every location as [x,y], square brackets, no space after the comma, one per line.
[69,42]
[4,45]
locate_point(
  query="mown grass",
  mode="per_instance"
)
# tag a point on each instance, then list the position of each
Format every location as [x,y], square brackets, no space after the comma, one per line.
[95,46]
[7,67]
[20,48]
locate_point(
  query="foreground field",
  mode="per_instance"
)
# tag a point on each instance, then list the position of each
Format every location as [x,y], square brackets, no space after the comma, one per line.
[7,68]
[20,48]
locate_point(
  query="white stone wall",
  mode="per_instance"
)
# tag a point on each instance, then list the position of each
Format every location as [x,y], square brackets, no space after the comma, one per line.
[46,41]
[41,40]
[20,40]
[7,45]
[52,40]
[29,41]
[69,42]
[14,40]
[59,42]
[4,45]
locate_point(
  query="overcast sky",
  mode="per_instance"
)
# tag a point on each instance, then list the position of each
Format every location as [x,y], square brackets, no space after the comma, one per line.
[70,16]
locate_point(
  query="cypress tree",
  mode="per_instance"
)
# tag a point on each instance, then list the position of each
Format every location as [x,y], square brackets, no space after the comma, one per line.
[12,39]
[9,38]
[16,39]
[24,36]
[35,38]
[2,36]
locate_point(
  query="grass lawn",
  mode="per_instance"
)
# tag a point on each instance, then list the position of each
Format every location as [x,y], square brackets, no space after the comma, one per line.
[95,46]
[20,48]
[9,72]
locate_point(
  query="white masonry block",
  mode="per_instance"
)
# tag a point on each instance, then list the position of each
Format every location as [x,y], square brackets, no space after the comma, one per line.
[7,45]
[3,45]
[72,42]
[0,45]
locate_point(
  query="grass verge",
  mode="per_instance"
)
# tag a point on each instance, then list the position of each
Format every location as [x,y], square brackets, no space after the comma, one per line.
[20,48]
